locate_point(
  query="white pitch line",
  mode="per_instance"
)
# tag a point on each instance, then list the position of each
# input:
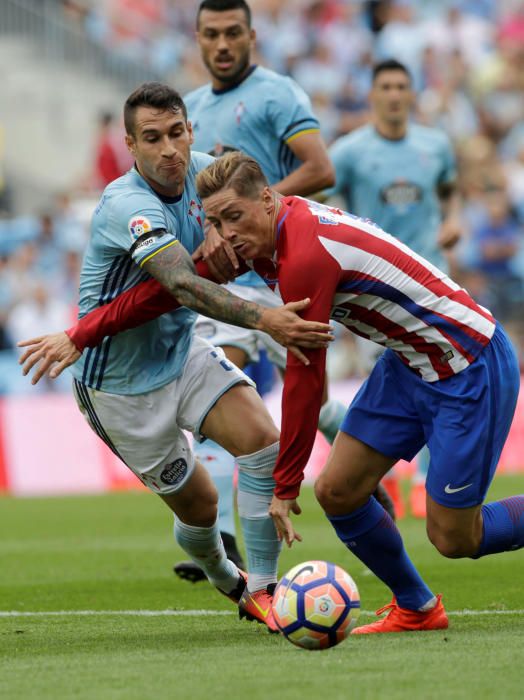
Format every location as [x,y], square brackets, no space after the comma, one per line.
[204,613]
[128,613]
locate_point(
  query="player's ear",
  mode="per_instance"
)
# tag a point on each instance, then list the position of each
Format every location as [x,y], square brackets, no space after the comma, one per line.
[130,143]
[371,94]
[189,127]
[267,198]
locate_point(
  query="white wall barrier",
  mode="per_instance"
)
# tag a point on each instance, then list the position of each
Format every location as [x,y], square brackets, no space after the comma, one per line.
[46,447]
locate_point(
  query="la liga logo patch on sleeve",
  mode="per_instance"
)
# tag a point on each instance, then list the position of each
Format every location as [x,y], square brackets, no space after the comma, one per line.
[138,225]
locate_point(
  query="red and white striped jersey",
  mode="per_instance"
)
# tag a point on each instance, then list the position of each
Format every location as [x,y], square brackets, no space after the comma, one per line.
[382,290]
[357,274]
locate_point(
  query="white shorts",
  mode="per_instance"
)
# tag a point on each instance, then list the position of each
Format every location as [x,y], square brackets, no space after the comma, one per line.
[146,430]
[248,340]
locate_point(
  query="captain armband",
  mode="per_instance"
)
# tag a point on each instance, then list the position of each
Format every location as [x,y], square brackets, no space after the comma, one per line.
[148,239]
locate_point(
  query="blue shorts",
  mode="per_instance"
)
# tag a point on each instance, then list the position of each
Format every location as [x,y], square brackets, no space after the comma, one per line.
[464,419]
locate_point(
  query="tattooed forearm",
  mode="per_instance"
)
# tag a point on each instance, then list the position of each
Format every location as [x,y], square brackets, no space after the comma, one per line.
[175,270]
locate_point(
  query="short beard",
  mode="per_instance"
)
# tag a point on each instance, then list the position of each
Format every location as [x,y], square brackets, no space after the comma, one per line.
[233,78]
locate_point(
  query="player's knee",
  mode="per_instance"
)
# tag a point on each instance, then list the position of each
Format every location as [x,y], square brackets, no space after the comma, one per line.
[207,511]
[451,544]
[204,513]
[256,435]
[332,497]
[265,437]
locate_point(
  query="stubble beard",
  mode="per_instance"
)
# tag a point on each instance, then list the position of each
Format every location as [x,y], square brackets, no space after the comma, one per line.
[233,77]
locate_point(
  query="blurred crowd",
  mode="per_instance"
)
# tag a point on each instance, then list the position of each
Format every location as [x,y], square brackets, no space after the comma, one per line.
[467,62]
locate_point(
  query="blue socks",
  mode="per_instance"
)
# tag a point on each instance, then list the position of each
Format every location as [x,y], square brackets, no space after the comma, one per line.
[503,526]
[372,536]
[221,466]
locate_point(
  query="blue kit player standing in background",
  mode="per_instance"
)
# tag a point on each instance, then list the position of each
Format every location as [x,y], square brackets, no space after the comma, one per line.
[269,117]
[400,175]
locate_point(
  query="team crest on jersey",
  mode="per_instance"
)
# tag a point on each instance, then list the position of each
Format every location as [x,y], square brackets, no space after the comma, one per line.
[195,209]
[174,472]
[139,225]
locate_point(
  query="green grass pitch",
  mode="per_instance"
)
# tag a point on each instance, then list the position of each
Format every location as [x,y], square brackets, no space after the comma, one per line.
[139,633]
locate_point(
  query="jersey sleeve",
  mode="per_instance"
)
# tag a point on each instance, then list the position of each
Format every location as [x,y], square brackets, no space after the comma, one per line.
[290,112]
[138,224]
[138,305]
[341,157]
[201,160]
[316,276]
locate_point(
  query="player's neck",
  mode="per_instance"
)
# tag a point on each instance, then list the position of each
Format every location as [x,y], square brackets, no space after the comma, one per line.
[218,85]
[393,131]
[274,222]
[174,192]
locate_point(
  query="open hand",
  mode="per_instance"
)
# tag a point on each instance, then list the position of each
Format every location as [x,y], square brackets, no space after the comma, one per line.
[219,255]
[279,510]
[293,332]
[55,352]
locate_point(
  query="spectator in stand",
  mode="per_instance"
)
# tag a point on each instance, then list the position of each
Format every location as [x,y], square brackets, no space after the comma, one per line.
[5,192]
[497,242]
[514,171]
[5,304]
[39,311]
[107,166]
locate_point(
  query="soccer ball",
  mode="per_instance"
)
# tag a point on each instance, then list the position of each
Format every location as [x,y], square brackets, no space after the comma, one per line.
[316,604]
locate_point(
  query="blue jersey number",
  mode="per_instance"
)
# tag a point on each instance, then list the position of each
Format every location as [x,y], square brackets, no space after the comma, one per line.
[224,363]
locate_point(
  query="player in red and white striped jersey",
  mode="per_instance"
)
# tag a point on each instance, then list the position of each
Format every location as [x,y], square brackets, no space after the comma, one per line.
[449,379]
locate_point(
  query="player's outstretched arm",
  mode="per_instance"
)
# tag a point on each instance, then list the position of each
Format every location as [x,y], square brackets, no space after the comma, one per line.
[175,270]
[144,302]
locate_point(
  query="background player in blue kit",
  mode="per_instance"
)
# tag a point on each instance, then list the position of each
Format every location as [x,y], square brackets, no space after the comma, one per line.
[268,116]
[402,176]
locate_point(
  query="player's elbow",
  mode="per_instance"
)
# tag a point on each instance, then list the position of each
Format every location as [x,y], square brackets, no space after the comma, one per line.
[183,289]
[325,175]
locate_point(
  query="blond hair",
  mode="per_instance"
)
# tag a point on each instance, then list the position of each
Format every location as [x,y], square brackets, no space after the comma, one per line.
[233,170]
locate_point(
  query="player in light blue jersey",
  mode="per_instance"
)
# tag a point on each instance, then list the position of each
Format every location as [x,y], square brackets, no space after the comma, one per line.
[268,116]
[401,175]
[140,390]
[113,262]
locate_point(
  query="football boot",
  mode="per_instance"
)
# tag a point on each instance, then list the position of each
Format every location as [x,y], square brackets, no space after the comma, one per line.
[402,620]
[258,607]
